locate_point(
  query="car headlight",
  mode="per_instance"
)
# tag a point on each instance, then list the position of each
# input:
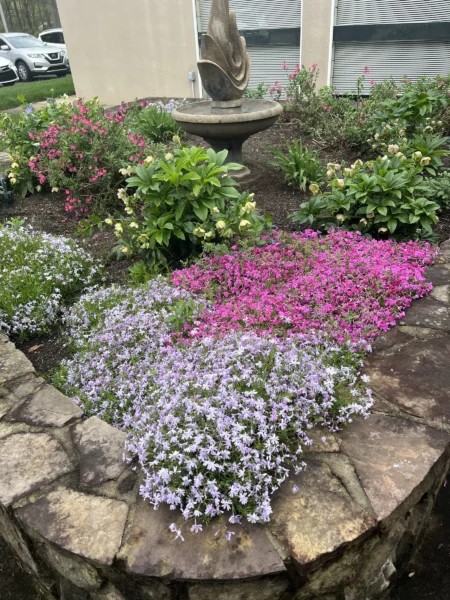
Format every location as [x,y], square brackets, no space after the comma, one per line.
[63,52]
[11,65]
[35,55]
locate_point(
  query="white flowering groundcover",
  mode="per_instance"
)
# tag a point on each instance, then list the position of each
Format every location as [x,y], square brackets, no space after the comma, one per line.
[39,273]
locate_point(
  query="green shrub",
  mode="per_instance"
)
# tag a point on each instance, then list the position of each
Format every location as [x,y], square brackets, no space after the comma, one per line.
[259,93]
[439,189]
[40,273]
[430,146]
[155,124]
[300,165]
[388,196]
[178,204]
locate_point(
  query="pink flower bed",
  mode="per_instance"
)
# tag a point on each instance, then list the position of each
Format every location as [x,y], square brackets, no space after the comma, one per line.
[348,286]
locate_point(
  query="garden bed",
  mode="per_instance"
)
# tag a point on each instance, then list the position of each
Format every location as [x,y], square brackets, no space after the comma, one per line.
[46,212]
[230,379]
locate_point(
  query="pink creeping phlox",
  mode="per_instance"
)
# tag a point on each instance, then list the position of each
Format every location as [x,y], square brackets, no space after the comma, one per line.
[346,285]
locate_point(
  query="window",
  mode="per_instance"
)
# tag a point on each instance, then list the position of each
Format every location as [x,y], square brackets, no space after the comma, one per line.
[26,41]
[53,38]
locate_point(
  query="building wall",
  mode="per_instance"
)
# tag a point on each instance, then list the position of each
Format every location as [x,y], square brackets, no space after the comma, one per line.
[122,50]
[317,26]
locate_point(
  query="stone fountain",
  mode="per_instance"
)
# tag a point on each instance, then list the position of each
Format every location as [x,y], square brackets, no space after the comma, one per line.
[228,120]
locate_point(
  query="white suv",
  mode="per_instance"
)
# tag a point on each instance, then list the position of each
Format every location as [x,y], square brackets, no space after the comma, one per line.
[54,37]
[32,57]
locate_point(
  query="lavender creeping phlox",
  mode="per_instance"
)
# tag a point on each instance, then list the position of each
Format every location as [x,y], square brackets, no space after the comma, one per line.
[227,418]
[117,333]
[218,423]
[38,273]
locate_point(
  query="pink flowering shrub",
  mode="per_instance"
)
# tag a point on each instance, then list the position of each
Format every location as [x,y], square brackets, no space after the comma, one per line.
[343,284]
[82,155]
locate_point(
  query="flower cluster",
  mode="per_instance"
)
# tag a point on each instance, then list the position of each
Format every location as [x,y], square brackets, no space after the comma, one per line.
[83,155]
[216,424]
[344,284]
[39,273]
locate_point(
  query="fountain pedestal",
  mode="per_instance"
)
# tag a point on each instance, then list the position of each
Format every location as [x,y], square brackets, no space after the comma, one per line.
[228,120]
[226,127]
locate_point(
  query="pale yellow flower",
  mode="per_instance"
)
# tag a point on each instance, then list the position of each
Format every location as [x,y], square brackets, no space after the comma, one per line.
[169,156]
[215,210]
[244,223]
[150,159]
[176,139]
[109,221]
[14,165]
[209,234]
[417,155]
[55,189]
[330,174]
[124,249]
[14,180]
[134,225]
[118,227]
[393,148]
[228,233]
[377,136]
[220,225]
[349,172]
[314,189]
[340,183]
[382,230]
[340,218]
[425,161]
[199,232]
[357,163]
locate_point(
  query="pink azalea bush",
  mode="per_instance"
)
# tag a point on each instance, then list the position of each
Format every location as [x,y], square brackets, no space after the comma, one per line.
[82,157]
[343,284]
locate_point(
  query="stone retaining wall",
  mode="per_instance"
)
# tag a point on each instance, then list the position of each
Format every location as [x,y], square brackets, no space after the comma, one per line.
[70,509]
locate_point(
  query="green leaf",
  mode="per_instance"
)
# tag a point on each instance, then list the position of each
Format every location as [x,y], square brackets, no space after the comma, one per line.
[392,225]
[201,212]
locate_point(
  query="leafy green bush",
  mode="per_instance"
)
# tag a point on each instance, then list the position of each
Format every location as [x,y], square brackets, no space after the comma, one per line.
[300,165]
[258,93]
[430,146]
[178,204]
[156,125]
[40,273]
[387,196]
[439,189]
[412,108]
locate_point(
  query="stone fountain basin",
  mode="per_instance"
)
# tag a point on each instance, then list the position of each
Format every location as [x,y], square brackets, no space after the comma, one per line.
[254,116]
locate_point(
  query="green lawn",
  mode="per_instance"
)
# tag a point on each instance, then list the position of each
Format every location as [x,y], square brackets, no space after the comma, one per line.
[35,91]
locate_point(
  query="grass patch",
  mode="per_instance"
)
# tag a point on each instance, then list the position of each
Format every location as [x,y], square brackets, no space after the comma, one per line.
[35,91]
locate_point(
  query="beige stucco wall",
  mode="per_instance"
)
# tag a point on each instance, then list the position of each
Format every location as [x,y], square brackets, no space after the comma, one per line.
[127,49]
[317,22]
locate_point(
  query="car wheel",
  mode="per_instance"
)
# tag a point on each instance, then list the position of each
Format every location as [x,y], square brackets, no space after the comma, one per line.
[9,84]
[23,71]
